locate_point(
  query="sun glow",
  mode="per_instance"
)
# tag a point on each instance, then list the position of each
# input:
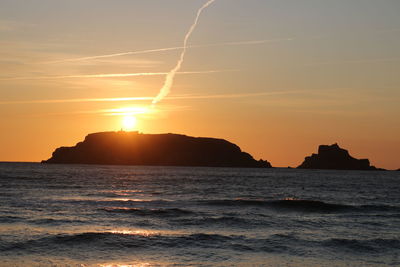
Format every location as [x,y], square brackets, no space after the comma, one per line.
[129,116]
[129,123]
[128,111]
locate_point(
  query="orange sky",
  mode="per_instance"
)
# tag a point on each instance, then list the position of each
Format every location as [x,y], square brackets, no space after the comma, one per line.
[274,77]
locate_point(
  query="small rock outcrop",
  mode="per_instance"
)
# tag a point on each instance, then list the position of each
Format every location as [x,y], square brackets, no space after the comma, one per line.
[133,148]
[335,158]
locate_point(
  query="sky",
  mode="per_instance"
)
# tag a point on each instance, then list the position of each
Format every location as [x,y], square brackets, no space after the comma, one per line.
[276,77]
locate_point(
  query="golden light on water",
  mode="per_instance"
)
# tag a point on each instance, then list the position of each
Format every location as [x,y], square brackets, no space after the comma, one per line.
[126,265]
[129,199]
[134,232]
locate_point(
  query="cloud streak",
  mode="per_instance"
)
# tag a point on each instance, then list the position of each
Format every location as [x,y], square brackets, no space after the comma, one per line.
[146,98]
[360,61]
[148,51]
[112,75]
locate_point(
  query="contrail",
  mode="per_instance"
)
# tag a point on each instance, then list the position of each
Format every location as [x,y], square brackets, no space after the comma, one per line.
[139,52]
[115,55]
[111,75]
[169,79]
[237,43]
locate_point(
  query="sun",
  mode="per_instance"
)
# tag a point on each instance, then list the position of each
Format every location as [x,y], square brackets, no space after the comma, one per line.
[129,123]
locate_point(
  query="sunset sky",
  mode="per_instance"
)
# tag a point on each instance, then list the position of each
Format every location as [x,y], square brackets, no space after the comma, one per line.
[276,77]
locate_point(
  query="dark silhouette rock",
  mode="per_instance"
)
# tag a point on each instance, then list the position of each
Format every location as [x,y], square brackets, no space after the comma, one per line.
[335,158]
[133,148]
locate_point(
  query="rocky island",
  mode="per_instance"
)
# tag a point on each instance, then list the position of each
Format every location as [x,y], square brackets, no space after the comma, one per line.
[335,158]
[133,148]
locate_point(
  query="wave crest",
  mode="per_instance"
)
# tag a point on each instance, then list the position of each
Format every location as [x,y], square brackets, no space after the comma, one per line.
[150,212]
[301,205]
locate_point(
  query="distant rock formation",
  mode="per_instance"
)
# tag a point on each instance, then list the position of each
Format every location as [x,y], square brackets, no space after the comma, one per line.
[133,148]
[335,158]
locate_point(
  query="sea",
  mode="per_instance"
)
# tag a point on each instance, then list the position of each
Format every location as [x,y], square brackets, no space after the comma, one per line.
[90,215]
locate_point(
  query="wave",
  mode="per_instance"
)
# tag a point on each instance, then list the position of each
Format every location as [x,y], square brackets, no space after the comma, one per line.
[366,245]
[301,205]
[218,220]
[277,243]
[183,217]
[39,221]
[150,212]
[115,241]
[11,219]
[54,222]
[122,201]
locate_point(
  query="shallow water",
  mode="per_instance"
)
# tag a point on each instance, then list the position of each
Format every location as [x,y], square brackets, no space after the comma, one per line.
[77,215]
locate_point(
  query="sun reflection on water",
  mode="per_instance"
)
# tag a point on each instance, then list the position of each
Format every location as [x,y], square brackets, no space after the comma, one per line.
[131,199]
[145,233]
[125,265]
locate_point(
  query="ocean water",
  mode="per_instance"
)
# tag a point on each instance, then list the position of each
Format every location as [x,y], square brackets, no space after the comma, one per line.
[77,215]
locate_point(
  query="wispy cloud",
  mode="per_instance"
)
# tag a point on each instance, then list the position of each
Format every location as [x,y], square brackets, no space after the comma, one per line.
[146,98]
[112,75]
[10,25]
[361,61]
[76,100]
[148,51]
[136,110]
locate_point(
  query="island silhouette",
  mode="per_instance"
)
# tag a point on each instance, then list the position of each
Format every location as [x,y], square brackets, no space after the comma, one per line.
[134,148]
[335,158]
